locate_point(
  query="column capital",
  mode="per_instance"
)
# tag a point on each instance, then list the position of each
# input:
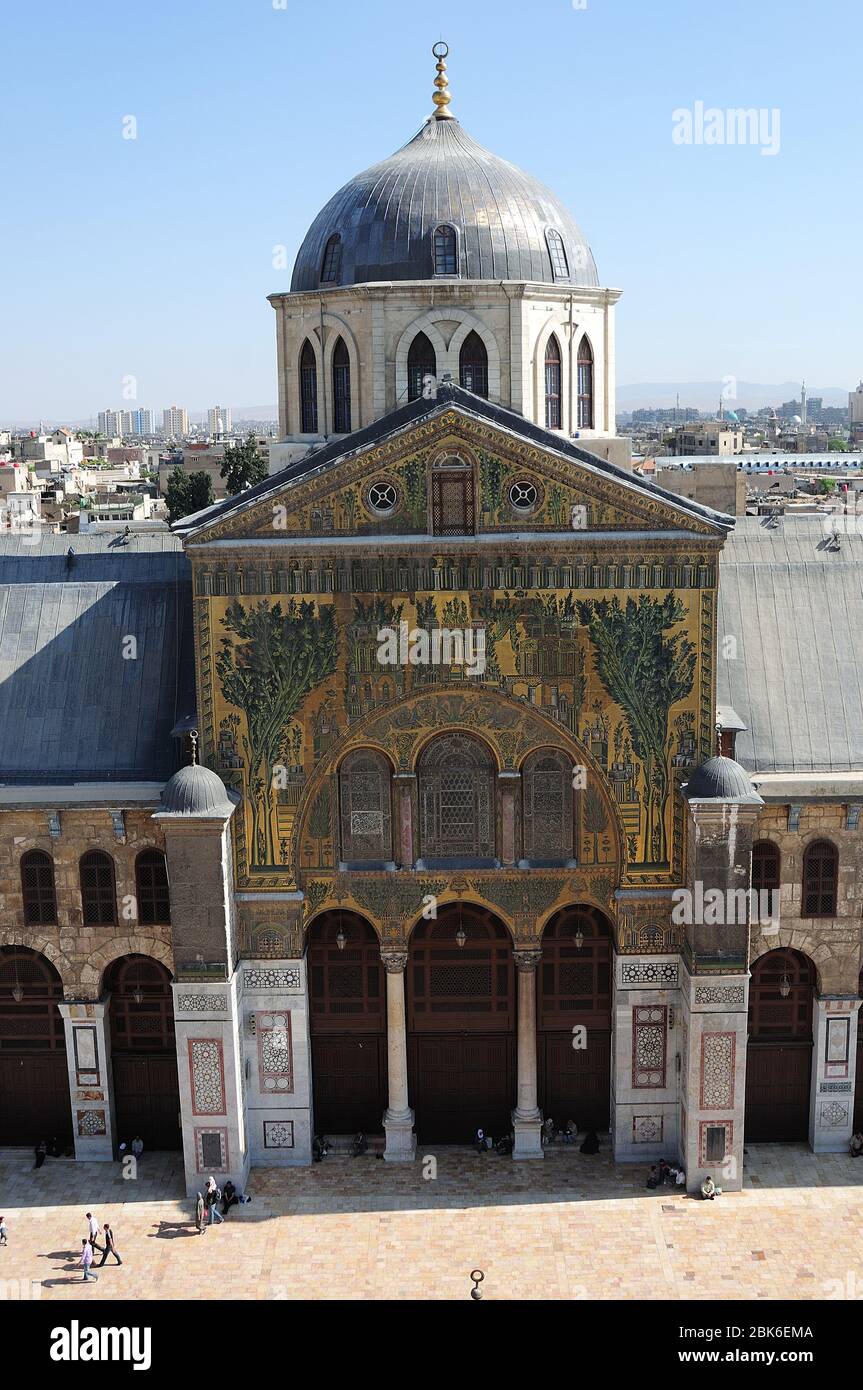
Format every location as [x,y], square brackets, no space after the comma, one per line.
[394,962]
[526,959]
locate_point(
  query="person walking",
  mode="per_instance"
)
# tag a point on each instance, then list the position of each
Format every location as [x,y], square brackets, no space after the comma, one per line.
[93,1227]
[200,1213]
[41,1151]
[3,1231]
[213,1196]
[86,1260]
[110,1247]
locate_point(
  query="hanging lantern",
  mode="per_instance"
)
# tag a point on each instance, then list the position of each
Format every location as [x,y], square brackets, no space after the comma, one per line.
[785,986]
[461,935]
[341,939]
[579,937]
[17,991]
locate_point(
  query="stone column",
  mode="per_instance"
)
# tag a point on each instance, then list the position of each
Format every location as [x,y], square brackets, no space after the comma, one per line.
[834,1058]
[526,1117]
[508,783]
[404,837]
[91,1082]
[399,1118]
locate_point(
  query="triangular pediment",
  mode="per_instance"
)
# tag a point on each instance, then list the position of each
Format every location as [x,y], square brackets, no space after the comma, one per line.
[381,483]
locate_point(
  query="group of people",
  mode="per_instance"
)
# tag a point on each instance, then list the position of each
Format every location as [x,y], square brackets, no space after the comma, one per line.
[664,1173]
[136,1147]
[207,1203]
[550,1134]
[53,1150]
[90,1244]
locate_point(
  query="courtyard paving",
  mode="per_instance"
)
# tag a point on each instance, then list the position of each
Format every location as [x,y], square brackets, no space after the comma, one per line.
[569,1227]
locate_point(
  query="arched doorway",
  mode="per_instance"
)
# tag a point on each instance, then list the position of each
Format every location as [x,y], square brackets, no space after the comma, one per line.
[34,1081]
[461,1022]
[779,1051]
[574,983]
[144,1052]
[348,1025]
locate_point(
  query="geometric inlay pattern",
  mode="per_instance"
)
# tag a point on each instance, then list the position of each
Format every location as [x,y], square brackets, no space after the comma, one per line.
[278,1134]
[271,979]
[719,994]
[275,1063]
[833,1114]
[649,1023]
[647,1129]
[202,1003]
[91,1122]
[207,1076]
[717,1071]
[649,972]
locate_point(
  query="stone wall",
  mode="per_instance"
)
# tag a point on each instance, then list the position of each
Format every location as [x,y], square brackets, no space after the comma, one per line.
[79,953]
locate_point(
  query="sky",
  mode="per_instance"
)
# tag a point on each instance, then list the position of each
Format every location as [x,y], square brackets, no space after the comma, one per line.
[143,265]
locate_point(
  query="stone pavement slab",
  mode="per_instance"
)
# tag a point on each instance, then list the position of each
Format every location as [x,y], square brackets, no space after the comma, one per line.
[566,1227]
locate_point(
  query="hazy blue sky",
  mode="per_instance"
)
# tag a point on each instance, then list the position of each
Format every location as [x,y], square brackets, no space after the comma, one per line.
[152,257]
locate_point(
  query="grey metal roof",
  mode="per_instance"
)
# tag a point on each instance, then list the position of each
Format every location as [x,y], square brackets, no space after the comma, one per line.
[720,779]
[386,217]
[195,791]
[72,708]
[794,674]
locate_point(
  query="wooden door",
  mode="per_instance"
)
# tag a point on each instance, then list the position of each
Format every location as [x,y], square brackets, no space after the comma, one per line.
[575,1084]
[350,1084]
[777,1091]
[34,1100]
[574,991]
[144,1053]
[347,1016]
[459,1084]
[779,1051]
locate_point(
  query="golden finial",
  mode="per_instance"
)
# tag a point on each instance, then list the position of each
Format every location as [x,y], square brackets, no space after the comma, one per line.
[441,97]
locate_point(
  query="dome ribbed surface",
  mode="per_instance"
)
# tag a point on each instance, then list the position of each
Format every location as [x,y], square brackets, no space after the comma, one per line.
[720,779]
[195,791]
[386,218]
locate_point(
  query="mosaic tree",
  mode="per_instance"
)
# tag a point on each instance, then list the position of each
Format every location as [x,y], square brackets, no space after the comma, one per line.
[645,672]
[277,656]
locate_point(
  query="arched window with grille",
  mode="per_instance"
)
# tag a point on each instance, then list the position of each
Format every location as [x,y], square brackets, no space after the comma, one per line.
[98,889]
[421,363]
[37,888]
[308,390]
[365,802]
[552,384]
[820,879]
[456,794]
[151,884]
[331,267]
[766,866]
[557,252]
[585,384]
[341,388]
[473,365]
[445,251]
[546,788]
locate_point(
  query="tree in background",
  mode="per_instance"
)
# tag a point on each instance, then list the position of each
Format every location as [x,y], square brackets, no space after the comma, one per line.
[243,466]
[187,493]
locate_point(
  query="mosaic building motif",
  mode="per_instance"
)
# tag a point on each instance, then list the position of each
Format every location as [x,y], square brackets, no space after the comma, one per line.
[717,1071]
[207,1075]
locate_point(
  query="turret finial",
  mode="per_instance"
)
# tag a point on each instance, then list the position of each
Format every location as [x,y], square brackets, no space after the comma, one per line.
[441,97]
[193,745]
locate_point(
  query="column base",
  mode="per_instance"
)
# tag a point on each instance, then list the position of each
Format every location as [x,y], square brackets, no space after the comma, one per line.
[401,1142]
[528,1136]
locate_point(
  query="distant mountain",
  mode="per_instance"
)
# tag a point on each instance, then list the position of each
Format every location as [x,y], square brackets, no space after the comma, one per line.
[704,395]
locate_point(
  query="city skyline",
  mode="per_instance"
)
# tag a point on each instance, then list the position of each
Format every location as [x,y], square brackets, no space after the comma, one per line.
[166,283]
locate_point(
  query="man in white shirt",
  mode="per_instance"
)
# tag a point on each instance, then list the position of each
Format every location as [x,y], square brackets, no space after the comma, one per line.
[93,1229]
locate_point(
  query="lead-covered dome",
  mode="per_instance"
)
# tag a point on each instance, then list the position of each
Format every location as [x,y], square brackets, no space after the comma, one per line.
[195,791]
[382,224]
[721,779]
